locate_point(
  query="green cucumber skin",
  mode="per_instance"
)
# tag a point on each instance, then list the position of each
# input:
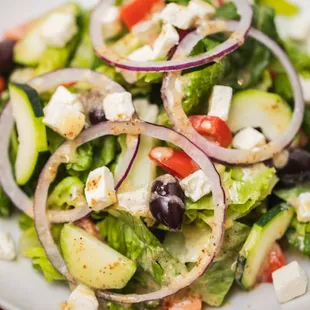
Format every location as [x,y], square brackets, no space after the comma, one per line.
[271,214]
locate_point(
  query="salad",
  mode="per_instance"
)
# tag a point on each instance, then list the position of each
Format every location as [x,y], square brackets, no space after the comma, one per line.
[158,151]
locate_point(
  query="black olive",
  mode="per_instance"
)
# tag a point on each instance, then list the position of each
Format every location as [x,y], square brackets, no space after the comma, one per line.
[6,56]
[96,116]
[167,202]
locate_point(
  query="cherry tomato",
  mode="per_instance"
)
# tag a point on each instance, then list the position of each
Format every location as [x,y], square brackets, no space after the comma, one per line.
[2,84]
[137,10]
[177,162]
[274,261]
[16,33]
[213,128]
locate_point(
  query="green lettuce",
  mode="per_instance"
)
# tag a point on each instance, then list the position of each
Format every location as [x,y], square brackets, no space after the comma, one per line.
[214,285]
[6,206]
[129,236]
[306,124]
[83,158]
[290,195]
[30,246]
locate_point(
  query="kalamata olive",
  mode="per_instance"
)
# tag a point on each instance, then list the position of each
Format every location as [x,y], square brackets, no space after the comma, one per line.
[96,116]
[297,168]
[167,202]
[6,56]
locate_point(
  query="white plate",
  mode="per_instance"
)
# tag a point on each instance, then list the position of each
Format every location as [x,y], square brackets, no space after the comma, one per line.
[22,288]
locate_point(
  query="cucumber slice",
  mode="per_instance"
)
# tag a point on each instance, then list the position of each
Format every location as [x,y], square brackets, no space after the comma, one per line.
[30,49]
[269,228]
[28,114]
[258,109]
[92,262]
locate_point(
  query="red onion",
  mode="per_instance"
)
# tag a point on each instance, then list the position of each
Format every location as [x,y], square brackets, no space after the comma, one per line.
[177,116]
[63,155]
[41,84]
[108,55]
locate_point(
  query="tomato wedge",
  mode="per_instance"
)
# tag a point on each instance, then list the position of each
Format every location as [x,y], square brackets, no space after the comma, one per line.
[213,128]
[274,261]
[137,10]
[2,84]
[176,162]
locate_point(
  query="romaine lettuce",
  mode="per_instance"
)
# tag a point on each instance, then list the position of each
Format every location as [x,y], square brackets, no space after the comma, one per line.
[6,206]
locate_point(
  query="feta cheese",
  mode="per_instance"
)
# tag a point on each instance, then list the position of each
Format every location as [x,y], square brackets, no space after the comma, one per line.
[178,15]
[147,31]
[144,53]
[64,113]
[146,111]
[118,106]
[201,9]
[248,138]
[219,102]
[299,29]
[58,29]
[289,282]
[167,39]
[7,248]
[82,298]
[196,185]
[303,207]
[111,22]
[99,189]
[305,86]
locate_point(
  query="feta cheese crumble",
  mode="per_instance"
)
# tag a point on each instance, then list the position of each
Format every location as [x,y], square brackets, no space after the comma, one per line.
[111,22]
[146,111]
[305,86]
[248,138]
[82,298]
[58,29]
[118,106]
[144,53]
[196,185]
[303,207]
[289,282]
[64,113]
[7,248]
[202,9]
[99,189]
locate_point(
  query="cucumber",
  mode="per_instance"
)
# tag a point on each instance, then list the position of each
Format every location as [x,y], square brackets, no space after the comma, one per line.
[28,115]
[92,262]
[30,49]
[259,109]
[269,228]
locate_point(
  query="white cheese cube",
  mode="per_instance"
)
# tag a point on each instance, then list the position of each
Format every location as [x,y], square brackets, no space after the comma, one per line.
[305,86]
[82,298]
[167,39]
[111,22]
[7,248]
[248,138]
[118,106]
[64,113]
[146,111]
[147,31]
[299,29]
[201,9]
[178,15]
[303,207]
[144,53]
[289,282]
[130,77]
[196,185]
[99,189]
[219,102]
[58,29]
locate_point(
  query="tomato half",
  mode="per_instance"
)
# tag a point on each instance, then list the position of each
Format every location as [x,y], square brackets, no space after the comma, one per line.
[176,162]
[2,84]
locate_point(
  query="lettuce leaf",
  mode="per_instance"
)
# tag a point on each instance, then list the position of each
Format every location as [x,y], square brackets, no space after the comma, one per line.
[214,285]
[6,206]
[83,158]
[30,246]
[290,195]
[129,236]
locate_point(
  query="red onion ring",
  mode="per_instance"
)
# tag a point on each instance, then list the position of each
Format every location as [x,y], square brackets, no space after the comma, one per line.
[63,155]
[41,84]
[234,41]
[173,105]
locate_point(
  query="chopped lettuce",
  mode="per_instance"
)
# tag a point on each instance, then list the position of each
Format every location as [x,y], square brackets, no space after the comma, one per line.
[129,236]
[67,194]
[6,206]
[83,158]
[214,285]
[30,246]
[227,11]
[290,195]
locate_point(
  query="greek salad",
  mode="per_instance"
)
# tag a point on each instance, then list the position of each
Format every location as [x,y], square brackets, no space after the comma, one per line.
[157,151]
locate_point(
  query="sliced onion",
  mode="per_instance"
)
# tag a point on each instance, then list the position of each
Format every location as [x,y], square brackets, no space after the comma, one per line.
[177,116]
[65,152]
[108,55]
[41,84]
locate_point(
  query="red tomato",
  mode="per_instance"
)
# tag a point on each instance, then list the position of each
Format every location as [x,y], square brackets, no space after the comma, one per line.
[16,33]
[137,10]
[213,128]
[274,261]
[177,162]
[2,84]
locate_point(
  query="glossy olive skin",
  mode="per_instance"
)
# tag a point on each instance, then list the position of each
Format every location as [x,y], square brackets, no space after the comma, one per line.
[167,202]
[297,169]
[96,116]
[6,56]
